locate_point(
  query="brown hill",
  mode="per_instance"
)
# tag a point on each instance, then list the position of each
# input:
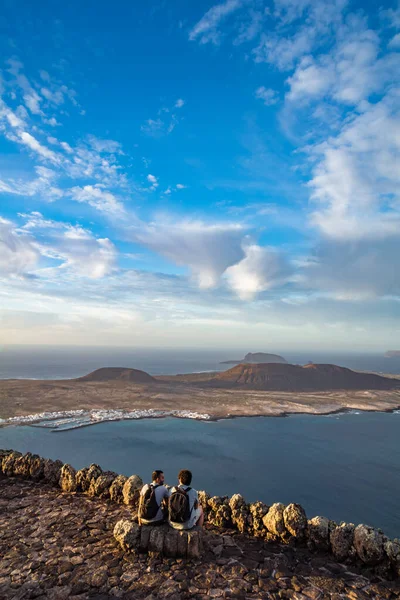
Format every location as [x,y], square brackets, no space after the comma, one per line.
[286,377]
[118,374]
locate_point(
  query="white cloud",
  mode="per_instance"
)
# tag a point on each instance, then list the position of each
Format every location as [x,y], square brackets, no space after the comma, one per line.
[206,30]
[105,146]
[43,185]
[395,42]
[56,97]
[251,27]
[261,269]
[31,142]
[350,73]
[179,103]
[180,186]
[356,180]
[18,254]
[65,146]
[268,96]
[208,250]
[98,198]
[153,180]
[87,256]
[79,252]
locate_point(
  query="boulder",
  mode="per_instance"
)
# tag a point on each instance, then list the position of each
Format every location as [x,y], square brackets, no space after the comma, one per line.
[156,540]
[22,465]
[131,490]
[85,476]
[68,478]
[100,487]
[127,534]
[159,540]
[220,513]
[116,489]
[3,454]
[274,520]
[368,543]
[341,540]
[240,513]
[392,549]
[295,520]
[52,471]
[171,542]
[36,470]
[194,543]
[9,461]
[318,534]
[203,500]
[258,510]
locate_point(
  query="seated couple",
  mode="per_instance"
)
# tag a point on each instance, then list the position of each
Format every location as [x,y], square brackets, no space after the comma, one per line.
[179,505]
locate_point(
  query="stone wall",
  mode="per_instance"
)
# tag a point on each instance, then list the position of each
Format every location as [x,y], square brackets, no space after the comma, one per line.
[289,524]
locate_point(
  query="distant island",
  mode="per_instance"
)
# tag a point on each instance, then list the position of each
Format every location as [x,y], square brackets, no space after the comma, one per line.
[256,358]
[392,353]
[247,389]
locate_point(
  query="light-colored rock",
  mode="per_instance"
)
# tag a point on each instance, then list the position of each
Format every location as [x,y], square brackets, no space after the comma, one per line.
[131,490]
[368,543]
[295,520]
[318,533]
[22,465]
[9,461]
[274,520]
[85,476]
[220,513]
[258,510]
[392,549]
[341,540]
[68,478]
[100,487]
[116,489]
[240,513]
[127,534]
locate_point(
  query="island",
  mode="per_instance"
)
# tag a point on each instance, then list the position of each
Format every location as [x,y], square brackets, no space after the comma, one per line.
[392,354]
[256,358]
[270,389]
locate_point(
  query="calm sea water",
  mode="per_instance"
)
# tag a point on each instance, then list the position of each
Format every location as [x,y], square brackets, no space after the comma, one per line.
[45,362]
[345,467]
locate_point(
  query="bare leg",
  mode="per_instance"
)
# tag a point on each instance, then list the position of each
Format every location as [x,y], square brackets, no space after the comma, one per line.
[200,520]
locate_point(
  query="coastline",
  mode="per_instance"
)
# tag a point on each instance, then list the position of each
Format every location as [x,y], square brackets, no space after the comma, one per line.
[61,421]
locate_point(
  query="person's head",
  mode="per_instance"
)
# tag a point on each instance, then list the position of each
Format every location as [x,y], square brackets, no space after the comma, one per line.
[185,477]
[158,477]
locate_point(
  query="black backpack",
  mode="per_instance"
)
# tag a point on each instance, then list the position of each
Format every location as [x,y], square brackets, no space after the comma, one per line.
[179,506]
[148,508]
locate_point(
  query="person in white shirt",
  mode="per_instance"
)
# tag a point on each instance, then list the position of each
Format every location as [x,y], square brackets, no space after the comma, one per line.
[185,511]
[153,497]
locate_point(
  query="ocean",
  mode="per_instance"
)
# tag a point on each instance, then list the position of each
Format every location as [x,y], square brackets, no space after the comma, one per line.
[52,362]
[345,467]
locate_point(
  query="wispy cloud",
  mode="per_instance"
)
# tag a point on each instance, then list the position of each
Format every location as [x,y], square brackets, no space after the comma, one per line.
[267,95]
[206,30]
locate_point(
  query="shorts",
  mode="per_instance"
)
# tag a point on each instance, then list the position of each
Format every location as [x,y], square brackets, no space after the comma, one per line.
[194,517]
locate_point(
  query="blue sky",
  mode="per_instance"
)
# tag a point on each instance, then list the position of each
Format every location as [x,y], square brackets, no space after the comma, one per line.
[211,174]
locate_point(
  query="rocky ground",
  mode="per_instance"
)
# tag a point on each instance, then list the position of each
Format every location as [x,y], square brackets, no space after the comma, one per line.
[20,398]
[60,545]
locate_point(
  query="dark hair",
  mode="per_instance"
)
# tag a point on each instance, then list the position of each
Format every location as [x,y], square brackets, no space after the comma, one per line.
[156,474]
[185,477]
